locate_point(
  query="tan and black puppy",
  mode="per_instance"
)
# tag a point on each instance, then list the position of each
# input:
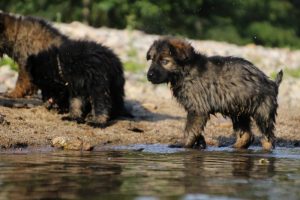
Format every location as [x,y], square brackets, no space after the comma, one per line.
[205,85]
[21,37]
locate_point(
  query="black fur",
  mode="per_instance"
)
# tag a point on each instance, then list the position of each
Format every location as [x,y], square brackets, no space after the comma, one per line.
[82,75]
[205,85]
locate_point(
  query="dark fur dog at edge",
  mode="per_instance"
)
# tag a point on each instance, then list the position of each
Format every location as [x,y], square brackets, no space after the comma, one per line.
[205,85]
[88,74]
[22,36]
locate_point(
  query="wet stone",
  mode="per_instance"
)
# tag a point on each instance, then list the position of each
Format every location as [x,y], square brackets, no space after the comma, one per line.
[70,143]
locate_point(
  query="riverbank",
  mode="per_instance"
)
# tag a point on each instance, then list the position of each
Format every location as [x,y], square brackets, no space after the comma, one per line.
[157,119]
[157,116]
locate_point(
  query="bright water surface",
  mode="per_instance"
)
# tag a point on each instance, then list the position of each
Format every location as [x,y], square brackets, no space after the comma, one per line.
[149,172]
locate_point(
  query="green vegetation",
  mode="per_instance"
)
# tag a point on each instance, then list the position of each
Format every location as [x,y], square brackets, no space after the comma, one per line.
[8,61]
[272,23]
[132,66]
[292,72]
[295,73]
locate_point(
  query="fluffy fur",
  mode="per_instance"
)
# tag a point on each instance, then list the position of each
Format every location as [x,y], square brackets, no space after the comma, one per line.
[205,85]
[22,36]
[85,76]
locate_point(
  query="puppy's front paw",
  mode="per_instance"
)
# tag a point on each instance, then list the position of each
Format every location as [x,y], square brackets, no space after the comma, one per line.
[195,142]
[79,120]
[98,121]
[176,145]
[191,143]
[200,144]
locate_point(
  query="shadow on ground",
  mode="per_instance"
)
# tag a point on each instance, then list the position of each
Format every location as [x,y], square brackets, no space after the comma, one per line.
[20,102]
[141,113]
[136,109]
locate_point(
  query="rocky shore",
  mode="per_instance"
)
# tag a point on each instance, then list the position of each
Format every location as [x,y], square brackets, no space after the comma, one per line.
[158,118]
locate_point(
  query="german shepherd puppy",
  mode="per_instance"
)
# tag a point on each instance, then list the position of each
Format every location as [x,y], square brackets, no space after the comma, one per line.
[83,75]
[205,85]
[22,36]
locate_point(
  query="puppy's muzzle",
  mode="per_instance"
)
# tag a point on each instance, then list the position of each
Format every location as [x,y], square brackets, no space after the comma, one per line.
[157,74]
[153,76]
[150,75]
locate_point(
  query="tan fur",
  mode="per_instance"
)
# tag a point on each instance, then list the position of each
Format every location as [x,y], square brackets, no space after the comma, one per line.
[75,107]
[266,144]
[182,47]
[26,37]
[244,140]
[170,66]
[100,119]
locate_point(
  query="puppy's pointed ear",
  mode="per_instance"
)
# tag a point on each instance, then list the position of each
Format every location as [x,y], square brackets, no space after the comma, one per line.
[181,50]
[151,51]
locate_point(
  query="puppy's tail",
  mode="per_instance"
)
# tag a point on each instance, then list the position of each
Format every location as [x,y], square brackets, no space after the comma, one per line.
[279,78]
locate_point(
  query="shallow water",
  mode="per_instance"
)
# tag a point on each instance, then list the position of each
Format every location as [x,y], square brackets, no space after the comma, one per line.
[148,172]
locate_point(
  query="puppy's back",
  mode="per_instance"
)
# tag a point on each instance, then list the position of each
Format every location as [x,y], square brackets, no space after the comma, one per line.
[237,70]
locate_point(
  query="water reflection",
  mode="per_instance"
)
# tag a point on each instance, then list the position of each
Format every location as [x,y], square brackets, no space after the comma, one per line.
[128,174]
[226,174]
[58,175]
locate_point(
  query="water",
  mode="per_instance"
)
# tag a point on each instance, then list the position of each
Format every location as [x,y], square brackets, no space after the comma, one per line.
[150,172]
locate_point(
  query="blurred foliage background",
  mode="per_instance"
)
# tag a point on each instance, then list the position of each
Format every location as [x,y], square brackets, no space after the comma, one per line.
[272,23]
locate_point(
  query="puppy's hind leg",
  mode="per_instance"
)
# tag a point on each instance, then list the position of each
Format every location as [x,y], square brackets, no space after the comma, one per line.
[23,86]
[265,121]
[76,105]
[101,107]
[242,130]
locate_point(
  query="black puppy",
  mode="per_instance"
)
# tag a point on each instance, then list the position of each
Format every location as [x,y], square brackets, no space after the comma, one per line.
[82,75]
[205,85]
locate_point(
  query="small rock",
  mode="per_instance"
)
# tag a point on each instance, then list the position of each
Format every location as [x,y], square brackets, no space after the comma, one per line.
[59,142]
[263,161]
[1,118]
[150,106]
[3,121]
[68,143]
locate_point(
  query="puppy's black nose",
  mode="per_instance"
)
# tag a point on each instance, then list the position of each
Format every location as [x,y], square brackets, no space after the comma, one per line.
[150,75]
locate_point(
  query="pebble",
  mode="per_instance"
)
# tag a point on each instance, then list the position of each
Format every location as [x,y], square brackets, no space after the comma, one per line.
[263,161]
[71,143]
[3,121]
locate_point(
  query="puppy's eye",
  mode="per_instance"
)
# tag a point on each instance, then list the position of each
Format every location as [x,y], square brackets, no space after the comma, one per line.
[148,57]
[164,62]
